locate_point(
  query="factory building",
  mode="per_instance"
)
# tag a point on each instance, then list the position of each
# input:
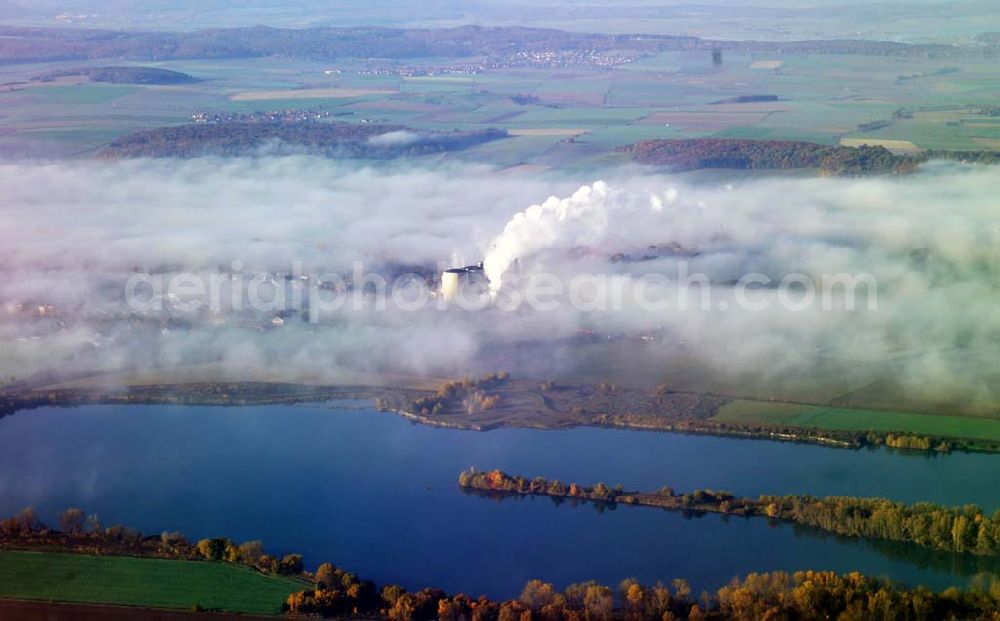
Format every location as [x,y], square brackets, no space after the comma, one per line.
[469,282]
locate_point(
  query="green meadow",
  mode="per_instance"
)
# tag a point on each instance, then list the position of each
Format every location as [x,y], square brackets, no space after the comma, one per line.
[849,419]
[130,581]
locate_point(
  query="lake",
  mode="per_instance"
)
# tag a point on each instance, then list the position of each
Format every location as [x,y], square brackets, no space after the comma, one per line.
[378,495]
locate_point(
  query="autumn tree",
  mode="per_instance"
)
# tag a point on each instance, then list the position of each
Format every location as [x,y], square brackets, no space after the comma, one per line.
[326,576]
[537,594]
[510,611]
[392,592]
[231,553]
[212,549]
[598,603]
[633,598]
[72,521]
[659,600]
[250,552]
[682,589]
[290,565]
[402,608]
[29,521]
[172,540]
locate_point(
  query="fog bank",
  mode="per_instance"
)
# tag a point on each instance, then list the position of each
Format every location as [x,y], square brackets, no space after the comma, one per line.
[72,234]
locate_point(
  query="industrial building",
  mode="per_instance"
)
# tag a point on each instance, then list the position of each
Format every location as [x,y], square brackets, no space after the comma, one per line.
[469,283]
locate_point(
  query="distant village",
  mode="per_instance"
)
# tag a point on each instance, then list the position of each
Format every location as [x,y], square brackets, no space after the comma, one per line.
[269,116]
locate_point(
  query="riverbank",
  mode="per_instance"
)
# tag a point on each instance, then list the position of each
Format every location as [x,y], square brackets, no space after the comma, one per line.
[961,529]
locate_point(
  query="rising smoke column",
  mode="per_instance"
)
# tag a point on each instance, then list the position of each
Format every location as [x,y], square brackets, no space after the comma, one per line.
[592,216]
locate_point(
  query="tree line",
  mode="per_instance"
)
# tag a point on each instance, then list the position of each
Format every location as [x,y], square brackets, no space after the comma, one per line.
[828,437]
[81,532]
[954,529]
[964,529]
[334,139]
[775,596]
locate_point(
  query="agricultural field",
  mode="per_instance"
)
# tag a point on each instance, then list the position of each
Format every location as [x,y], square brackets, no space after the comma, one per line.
[908,104]
[130,581]
[336,92]
[850,419]
[899,147]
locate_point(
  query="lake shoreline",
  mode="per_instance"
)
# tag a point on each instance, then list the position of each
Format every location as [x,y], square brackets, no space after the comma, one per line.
[524,406]
[334,471]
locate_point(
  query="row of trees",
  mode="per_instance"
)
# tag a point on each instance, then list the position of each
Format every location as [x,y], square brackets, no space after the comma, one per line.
[972,157]
[26,525]
[80,531]
[956,529]
[250,553]
[829,437]
[499,481]
[503,483]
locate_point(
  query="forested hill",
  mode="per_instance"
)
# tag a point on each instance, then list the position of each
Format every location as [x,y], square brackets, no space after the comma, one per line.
[698,153]
[348,140]
[50,44]
[122,75]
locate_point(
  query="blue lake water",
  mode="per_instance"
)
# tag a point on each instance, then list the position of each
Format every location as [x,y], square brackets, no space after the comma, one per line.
[378,495]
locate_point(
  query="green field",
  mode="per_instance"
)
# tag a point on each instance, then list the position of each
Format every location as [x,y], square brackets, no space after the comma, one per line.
[821,98]
[78,94]
[129,581]
[849,419]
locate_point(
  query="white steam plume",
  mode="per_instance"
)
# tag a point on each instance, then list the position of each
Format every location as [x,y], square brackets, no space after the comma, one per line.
[593,216]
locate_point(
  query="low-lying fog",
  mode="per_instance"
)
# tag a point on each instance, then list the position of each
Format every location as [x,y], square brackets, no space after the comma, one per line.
[71,235]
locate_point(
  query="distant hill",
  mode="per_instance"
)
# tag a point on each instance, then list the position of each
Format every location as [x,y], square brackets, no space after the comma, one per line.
[698,153]
[19,44]
[122,75]
[346,140]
